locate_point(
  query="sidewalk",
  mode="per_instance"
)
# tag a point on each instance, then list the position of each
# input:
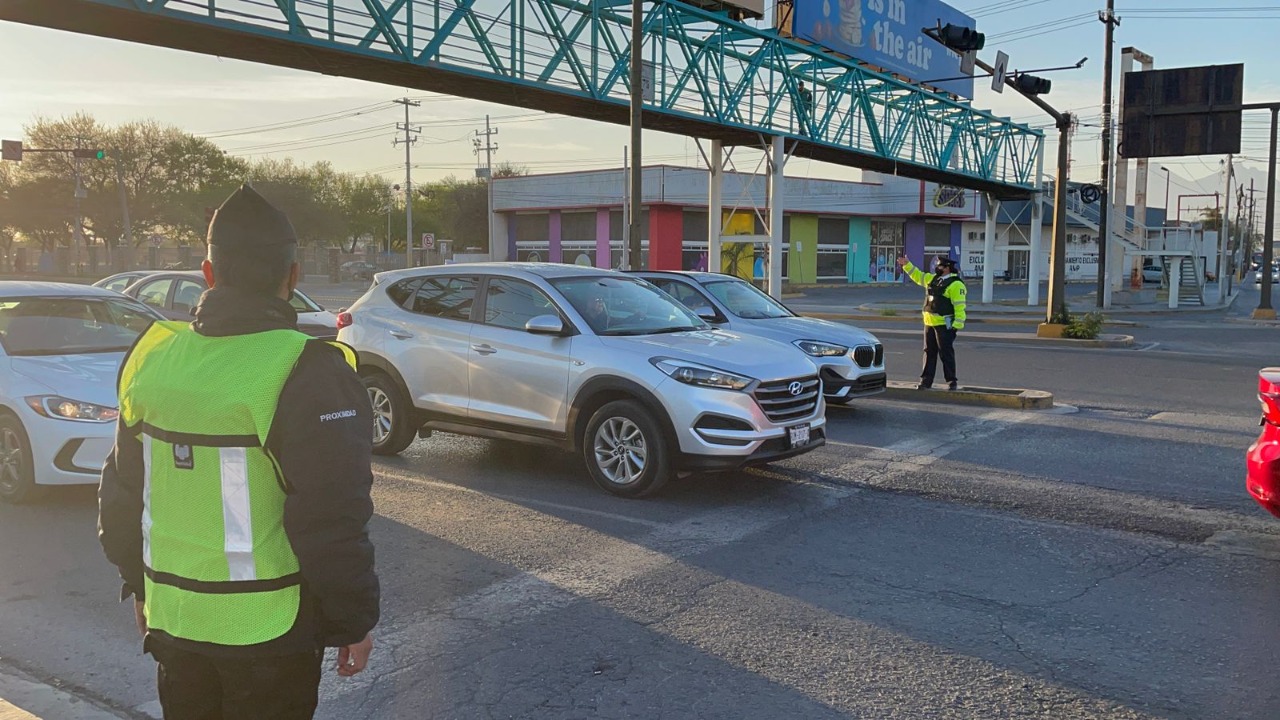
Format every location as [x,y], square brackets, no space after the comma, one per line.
[22,697]
[888,305]
[1030,338]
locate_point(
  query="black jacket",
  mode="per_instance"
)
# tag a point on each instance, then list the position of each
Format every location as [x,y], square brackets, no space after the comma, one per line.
[323,450]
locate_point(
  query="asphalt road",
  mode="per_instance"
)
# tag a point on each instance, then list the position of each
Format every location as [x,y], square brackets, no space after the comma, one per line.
[1098,561]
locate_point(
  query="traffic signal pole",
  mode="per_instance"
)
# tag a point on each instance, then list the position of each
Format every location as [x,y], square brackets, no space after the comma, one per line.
[1056,313]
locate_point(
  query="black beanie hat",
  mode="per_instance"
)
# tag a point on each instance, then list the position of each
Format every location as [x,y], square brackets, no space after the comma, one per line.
[247,222]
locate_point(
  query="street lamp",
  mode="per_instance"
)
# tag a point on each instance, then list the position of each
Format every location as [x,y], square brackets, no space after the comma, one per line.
[1167,175]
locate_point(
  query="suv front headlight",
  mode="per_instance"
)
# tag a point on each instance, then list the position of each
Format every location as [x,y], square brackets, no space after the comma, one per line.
[701,375]
[60,408]
[817,348]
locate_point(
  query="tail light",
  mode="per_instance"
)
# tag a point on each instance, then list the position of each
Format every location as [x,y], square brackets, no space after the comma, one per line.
[1269,394]
[345,320]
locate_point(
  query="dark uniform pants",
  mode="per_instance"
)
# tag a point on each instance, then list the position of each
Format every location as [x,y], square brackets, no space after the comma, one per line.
[938,340]
[200,687]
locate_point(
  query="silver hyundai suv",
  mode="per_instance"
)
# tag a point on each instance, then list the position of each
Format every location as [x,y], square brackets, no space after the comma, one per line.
[593,361]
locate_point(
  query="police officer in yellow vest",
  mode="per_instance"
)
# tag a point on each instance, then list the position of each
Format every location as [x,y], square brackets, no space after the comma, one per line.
[944,314]
[236,501]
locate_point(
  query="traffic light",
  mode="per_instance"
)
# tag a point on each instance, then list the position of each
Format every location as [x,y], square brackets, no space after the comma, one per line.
[82,154]
[1032,85]
[962,39]
[11,150]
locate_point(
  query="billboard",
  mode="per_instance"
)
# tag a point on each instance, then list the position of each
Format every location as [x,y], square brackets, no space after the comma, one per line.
[1183,112]
[885,34]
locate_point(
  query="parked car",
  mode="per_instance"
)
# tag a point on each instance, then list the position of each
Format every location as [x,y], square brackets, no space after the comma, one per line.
[592,361]
[176,294]
[357,270]
[1263,457]
[120,281]
[1152,273]
[850,360]
[61,348]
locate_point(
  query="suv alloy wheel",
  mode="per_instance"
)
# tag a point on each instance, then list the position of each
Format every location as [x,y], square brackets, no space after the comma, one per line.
[625,450]
[393,430]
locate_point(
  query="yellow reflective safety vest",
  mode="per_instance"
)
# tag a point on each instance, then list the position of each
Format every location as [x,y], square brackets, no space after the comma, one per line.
[219,566]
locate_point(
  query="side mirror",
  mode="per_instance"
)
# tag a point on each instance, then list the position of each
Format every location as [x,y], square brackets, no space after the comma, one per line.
[545,325]
[707,313]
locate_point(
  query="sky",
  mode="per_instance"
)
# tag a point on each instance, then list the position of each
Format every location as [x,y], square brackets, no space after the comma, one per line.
[51,73]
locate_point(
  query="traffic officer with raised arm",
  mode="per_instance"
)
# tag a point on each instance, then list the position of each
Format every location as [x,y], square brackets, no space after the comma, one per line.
[944,314]
[236,501]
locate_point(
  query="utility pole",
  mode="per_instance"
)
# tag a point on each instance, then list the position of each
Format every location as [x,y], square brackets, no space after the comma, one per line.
[1247,260]
[77,234]
[1108,18]
[410,138]
[124,204]
[636,200]
[1224,233]
[488,148]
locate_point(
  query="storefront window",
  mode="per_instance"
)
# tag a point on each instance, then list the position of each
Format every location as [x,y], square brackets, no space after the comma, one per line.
[833,262]
[577,227]
[532,227]
[886,247]
[583,254]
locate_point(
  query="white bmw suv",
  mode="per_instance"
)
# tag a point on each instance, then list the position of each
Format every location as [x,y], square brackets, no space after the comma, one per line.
[592,361]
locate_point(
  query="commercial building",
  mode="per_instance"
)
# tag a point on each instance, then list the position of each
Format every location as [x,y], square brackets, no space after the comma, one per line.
[833,231]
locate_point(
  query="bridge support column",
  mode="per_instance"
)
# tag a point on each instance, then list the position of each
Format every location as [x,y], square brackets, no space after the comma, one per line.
[989,251]
[777,200]
[715,207]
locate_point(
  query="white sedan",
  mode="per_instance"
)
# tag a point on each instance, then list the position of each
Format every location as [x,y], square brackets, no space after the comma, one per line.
[60,352]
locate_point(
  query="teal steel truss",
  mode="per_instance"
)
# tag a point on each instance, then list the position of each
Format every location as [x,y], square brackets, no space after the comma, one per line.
[706,75]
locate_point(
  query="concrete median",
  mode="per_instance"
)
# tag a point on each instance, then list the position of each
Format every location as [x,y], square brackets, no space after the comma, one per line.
[1010,398]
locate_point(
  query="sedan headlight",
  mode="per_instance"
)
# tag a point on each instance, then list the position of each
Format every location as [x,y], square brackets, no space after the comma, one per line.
[821,349]
[701,375]
[60,408]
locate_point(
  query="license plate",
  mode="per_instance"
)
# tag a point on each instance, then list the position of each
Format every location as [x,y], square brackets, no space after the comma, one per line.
[799,435]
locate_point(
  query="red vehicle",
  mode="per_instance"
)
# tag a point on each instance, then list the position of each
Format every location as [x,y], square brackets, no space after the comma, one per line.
[1264,455]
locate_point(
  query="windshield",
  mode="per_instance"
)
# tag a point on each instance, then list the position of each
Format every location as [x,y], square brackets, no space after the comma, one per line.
[70,325]
[626,306]
[746,300]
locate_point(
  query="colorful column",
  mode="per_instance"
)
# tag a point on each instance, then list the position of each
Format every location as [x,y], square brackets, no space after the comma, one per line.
[555,252]
[802,262]
[860,250]
[604,253]
[666,237]
[913,242]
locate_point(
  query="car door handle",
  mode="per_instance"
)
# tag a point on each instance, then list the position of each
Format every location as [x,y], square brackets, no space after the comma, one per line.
[484,349]
[401,334]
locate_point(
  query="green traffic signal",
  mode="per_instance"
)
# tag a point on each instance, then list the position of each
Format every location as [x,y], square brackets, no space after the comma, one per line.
[93,154]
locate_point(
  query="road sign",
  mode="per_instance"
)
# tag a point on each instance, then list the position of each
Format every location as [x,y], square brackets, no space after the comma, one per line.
[11,150]
[428,241]
[646,81]
[997,75]
[1090,194]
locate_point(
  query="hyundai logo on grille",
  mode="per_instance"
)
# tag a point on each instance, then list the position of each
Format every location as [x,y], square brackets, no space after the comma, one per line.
[795,388]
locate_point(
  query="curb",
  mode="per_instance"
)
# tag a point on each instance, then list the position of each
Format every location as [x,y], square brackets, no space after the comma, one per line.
[1009,398]
[1103,341]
